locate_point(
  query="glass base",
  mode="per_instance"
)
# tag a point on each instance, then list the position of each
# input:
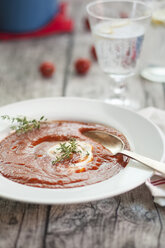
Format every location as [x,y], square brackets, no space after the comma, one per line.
[125,103]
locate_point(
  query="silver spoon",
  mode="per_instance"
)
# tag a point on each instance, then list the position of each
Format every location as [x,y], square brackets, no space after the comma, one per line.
[116,145]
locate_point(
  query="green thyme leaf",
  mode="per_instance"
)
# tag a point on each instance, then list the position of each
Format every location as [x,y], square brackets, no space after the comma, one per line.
[66,150]
[23,124]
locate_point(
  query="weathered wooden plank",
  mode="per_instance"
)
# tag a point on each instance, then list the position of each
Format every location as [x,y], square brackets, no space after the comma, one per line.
[161,212]
[19,75]
[82,225]
[138,223]
[33,227]
[130,220]
[22,225]
[11,217]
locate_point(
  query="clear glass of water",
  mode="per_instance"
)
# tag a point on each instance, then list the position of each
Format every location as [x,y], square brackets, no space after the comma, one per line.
[118,28]
[154,66]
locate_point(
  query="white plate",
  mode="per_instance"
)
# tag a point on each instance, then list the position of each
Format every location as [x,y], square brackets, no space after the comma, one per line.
[144,137]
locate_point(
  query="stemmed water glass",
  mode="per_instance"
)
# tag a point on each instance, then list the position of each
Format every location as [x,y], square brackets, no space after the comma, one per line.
[118,28]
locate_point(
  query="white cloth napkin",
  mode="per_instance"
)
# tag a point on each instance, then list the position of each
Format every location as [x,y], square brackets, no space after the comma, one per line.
[156,184]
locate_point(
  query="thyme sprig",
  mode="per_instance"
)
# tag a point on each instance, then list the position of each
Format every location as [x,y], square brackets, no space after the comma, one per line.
[66,150]
[23,124]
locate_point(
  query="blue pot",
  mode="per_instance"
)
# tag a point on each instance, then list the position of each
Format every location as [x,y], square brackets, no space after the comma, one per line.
[26,15]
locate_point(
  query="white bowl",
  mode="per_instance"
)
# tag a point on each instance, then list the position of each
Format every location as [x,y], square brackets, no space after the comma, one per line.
[144,137]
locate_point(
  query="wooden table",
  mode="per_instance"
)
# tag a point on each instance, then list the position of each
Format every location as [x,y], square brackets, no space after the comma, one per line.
[126,221]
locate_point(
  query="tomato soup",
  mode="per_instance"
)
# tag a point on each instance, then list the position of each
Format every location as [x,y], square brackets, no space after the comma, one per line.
[58,155]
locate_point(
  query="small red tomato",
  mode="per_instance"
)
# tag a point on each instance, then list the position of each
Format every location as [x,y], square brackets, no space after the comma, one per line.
[86,23]
[93,53]
[123,15]
[82,66]
[47,69]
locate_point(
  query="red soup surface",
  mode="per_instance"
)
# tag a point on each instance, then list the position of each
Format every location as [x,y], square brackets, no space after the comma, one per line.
[36,158]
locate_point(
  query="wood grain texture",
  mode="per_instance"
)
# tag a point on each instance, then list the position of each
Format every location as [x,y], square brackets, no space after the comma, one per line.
[130,220]
[11,215]
[33,227]
[19,68]
[161,238]
[22,225]
[137,220]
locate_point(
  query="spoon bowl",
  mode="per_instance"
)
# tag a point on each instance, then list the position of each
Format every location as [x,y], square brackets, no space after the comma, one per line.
[115,145]
[109,141]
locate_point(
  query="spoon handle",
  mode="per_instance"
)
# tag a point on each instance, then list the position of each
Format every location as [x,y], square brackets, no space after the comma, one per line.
[158,166]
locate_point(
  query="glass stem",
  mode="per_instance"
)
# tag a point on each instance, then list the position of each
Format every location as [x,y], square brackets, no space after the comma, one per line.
[118,88]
